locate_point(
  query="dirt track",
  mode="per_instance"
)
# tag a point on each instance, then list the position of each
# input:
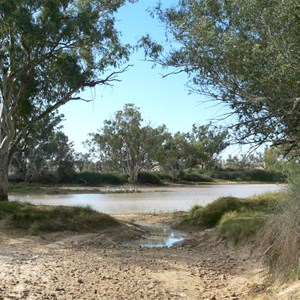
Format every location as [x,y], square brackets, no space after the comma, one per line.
[97,266]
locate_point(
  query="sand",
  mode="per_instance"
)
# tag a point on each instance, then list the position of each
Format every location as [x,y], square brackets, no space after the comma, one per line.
[98,266]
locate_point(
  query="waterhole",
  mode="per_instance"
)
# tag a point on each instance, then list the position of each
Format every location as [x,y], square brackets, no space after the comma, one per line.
[158,236]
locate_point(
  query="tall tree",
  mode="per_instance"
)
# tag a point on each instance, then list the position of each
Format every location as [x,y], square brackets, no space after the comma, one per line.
[50,52]
[124,144]
[175,154]
[243,53]
[199,148]
[47,149]
[206,144]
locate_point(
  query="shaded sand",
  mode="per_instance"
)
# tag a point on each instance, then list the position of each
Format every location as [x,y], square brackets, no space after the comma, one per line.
[97,266]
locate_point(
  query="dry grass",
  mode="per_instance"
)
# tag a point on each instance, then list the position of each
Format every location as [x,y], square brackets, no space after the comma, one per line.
[280,239]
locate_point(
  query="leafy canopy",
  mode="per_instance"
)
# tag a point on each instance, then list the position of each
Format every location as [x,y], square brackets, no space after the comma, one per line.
[125,144]
[51,51]
[242,53]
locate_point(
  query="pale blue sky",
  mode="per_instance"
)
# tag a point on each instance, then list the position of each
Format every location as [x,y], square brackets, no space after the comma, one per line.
[161,100]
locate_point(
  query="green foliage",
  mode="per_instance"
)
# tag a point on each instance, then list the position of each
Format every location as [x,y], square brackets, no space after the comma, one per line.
[163,176]
[276,159]
[248,63]
[50,52]
[47,178]
[34,229]
[123,144]
[194,177]
[242,225]
[38,219]
[65,171]
[149,178]
[95,179]
[247,175]
[198,148]
[245,161]
[48,150]
[211,214]
[194,210]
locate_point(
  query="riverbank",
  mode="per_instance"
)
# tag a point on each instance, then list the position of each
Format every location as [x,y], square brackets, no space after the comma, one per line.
[98,266]
[25,188]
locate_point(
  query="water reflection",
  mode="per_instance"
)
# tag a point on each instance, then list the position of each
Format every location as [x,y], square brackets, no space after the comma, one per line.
[148,201]
[159,236]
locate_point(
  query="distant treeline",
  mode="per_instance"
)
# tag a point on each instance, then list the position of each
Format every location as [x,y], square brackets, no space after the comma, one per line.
[159,178]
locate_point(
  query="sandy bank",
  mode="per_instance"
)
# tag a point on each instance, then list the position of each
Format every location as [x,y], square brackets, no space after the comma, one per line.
[97,266]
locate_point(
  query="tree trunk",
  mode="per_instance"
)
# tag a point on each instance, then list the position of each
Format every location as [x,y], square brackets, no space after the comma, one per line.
[3,176]
[133,172]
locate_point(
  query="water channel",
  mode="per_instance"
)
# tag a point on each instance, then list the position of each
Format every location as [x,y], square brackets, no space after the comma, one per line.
[151,200]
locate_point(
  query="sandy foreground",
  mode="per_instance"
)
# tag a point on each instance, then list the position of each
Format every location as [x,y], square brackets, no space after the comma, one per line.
[98,266]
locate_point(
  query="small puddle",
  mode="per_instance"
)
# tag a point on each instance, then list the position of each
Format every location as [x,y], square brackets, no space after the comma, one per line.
[159,236]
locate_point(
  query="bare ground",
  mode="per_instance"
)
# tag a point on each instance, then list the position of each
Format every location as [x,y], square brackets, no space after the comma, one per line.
[97,266]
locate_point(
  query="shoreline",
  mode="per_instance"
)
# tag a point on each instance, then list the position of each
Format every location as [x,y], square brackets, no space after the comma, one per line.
[97,265]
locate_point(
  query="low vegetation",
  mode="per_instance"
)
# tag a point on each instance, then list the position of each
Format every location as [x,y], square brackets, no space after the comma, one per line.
[37,219]
[271,220]
[236,218]
[280,239]
[193,176]
[247,174]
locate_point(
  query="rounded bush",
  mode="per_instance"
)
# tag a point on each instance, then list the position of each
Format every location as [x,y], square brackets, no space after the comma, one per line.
[91,178]
[195,177]
[149,178]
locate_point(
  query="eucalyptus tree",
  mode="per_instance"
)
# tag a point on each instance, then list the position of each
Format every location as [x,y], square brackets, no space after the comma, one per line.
[50,51]
[175,154]
[206,143]
[47,149]
[245,54]
[199,148]
[124,144]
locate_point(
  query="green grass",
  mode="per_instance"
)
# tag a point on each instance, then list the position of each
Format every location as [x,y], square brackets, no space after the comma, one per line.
[25,188]
[39,218]
[237,218]
[241,225]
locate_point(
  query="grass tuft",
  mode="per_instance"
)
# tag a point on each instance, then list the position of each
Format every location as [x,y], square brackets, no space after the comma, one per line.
[39,218]
[240,225]
[236,218]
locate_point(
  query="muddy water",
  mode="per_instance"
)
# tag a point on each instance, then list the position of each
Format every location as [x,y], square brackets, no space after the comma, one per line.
[160,235]
[152,200]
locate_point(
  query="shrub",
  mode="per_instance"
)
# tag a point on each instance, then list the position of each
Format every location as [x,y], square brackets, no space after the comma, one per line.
[47,178]
[94,179]
[195,177]
[248,175]
[149,178]
[164,176]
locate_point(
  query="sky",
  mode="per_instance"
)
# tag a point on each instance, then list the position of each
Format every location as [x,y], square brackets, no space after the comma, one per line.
[160,100]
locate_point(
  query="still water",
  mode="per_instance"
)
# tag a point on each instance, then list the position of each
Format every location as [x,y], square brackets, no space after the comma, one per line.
[160,235]
[152,200]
